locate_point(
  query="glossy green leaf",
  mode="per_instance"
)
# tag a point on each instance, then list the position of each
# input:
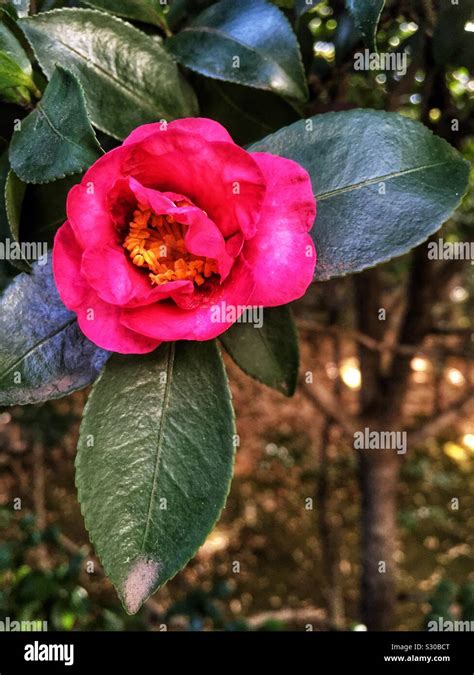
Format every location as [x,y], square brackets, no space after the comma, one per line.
[4,171]
[247,114]
[56,139]
[44,209]
[269,353]
[383,184]
[10,45]
[16,74]
[35,212]
[345,38]
[366,15]
[43,354]
[147,11]
[14,195]
[7,10]
[6,270]
[182,10]
[127,77]
[249,42]
[154,463]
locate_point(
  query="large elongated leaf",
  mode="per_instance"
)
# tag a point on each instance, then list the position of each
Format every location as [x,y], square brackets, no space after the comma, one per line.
[14,195]
[366,15]
[43,354]
[155,462]
[249,42]
[16,73]
[383,184]
[247,114]
[4,171]
[56,139]
[148,11]
[268,353]
[127,77]
[44,209]
[35,212]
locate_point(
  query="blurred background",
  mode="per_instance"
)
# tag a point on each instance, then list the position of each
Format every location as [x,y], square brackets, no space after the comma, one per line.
[308,518]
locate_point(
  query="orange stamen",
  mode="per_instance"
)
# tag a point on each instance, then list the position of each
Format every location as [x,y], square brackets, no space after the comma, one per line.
[156,242]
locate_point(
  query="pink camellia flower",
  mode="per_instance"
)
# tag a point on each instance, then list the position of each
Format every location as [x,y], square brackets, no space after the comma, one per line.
[176,222]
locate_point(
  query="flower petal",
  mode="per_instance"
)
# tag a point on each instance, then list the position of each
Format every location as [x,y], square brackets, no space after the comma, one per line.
[208,129]
[165,321]
[117,281]
[88,206]
[203,237]
[67,256]
[282,254]
[100,322]
[220,178]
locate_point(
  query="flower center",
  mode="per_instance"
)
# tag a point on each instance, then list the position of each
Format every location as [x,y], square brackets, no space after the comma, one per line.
[157,243]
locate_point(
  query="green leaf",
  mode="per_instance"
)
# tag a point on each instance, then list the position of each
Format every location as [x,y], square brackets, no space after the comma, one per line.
[4,171]
[16,74]
[11,46]
[43,354]
[35,212]
[148,11]
[6,271]
[366,15]
[7,10]
[345,38]
[154,463]
[249,42]
[56,139]
[14,195]
[127,77]
[383,184]
[44,209]
[247,114]
[268,353]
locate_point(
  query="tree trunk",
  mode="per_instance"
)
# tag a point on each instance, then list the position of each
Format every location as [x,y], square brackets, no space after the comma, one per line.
[379,471]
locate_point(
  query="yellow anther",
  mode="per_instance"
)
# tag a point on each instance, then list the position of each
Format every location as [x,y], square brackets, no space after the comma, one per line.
[158,243]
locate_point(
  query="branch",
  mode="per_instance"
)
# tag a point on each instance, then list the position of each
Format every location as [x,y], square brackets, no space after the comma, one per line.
[330,406]
[310,615]
[437,424]
[403,349]
[357,336]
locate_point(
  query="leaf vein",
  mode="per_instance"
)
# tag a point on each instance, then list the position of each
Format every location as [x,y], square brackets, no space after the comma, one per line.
[378,179]
[166,398]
